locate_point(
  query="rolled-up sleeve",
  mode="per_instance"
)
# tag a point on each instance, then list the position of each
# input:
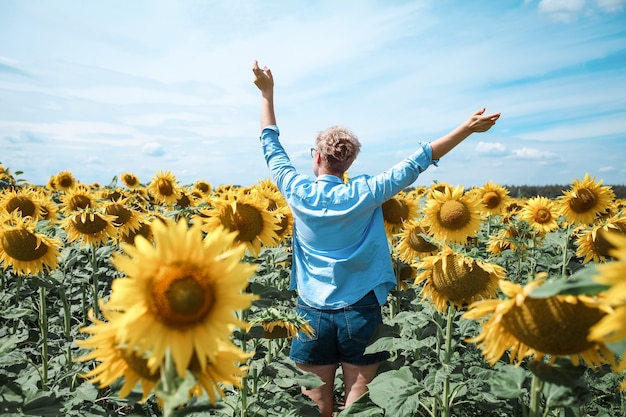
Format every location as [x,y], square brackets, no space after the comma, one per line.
[281,168]
[403,174]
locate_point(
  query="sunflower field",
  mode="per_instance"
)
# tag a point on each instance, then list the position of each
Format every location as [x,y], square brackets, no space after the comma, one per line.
[163,299]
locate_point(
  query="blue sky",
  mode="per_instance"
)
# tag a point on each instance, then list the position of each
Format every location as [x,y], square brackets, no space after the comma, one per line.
[101,88]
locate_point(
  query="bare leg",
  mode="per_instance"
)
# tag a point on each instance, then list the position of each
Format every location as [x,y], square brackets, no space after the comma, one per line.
[322,396]
[356,378]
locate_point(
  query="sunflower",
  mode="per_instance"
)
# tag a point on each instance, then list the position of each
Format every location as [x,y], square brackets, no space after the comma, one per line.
[63,181]
[268,190]
[48,208]
[494,198]
[612,328]
[280,324]
[413,242]
[418,192]
[405,274]
[202,189]
[592,243]
[541,213]
[512,209]
[89,227]
[585,200]
[23,200]
[398,210]
[130,180]
[557,326]
[224,370]
[79,197]
[143,230]
[451,215]
[127,219]
[457,279]
[441,187]
[116,360]
[110,194]
[27,251]
[181,292]
[284,220]
[164,188]
[247,216]
[513,237]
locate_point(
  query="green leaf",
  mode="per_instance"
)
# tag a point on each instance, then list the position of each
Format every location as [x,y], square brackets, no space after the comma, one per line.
[362,407]
[580,283]
[565,384]
[44,404]
[397,392]
[508,381]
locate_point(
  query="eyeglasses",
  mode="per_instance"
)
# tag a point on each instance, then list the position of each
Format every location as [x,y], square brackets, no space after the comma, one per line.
[313,152]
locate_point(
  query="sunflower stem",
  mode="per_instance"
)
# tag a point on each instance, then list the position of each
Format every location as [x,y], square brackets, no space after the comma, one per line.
[446,361]
[67,324]
[244,380]
[94,280]
[18,289]
[565,243]
[43,326]
[536,387]
[168,376]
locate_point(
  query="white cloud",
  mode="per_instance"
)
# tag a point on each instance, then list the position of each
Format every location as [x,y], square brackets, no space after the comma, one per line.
[530,153]
[607,169]
[490,148]
[611,5]
[153,149]
[568,10]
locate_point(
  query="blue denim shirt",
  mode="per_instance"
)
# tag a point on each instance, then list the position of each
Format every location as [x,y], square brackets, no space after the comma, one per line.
[340,248]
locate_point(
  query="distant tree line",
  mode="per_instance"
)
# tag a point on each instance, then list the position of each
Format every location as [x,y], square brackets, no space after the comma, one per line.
[553,191]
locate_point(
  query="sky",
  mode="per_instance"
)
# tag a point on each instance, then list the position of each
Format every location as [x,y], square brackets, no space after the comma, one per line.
[102,88]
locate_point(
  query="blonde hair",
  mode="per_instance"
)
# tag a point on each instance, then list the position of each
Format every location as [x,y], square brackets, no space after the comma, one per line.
[338,148]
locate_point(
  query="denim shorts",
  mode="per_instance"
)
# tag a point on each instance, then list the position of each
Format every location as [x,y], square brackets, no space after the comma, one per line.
[340,336]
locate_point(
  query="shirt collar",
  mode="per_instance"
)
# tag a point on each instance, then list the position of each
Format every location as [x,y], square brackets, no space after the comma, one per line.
[329,178]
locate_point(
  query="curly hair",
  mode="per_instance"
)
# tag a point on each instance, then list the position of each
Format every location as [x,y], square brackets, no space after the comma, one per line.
[338,148]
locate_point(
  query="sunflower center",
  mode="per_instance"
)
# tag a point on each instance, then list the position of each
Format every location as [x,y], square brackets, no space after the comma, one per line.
[23,245]
[123,214]
[459,281]
[65,181]
[542,215]
[248,221]
[283,223]
[23,204]
[551,325]
[203,187]
[79,202]
[181,297]
[89,224]
[130,180]
[417,242]
[601,246]
[395,211]
[453,215]
[584,201]
[143,230]
[271,204]
[139,365]
[165,187]
[491,199]
[183,201]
